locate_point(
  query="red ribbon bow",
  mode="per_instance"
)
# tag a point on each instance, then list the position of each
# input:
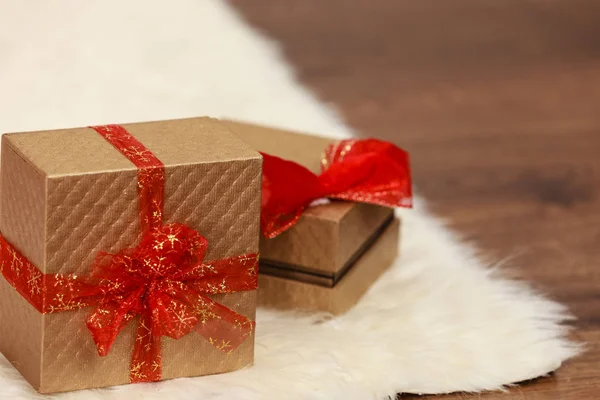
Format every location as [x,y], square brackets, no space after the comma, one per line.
[163,280]
[365,171]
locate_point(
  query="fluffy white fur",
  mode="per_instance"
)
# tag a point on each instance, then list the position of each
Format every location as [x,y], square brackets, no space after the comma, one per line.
[439,321]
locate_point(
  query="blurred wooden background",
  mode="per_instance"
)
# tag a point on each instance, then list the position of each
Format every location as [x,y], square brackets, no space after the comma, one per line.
[499,104]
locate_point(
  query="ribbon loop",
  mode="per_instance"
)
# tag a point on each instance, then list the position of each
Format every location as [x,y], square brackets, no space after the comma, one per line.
[366,171]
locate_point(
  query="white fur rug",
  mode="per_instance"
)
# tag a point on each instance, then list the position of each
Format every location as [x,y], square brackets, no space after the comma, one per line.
[439,321]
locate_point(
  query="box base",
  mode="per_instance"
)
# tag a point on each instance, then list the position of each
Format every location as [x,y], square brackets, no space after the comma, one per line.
[281,293]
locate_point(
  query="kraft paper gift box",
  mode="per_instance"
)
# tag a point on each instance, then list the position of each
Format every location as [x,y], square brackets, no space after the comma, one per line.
[336,250]
[69,195]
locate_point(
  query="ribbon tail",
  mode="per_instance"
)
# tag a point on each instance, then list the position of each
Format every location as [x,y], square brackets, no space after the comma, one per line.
[109,318]
[222,327]
[146,361]
[104,324]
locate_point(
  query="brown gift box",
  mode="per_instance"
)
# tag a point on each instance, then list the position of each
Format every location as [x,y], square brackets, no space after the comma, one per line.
[68,194]
[329,259]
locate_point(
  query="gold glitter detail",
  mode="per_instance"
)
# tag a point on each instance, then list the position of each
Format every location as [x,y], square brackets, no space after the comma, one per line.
[35,278]
[159,245]
[221,344]
[138,153]
[183,317]
[219,288]
[63,305]
[172,238]
[136,370]
[15,263]
[209,267]
[140,338]
[204,311]
[253,261]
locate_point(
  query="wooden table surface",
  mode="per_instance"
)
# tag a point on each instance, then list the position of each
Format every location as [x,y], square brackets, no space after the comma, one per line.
[499,104]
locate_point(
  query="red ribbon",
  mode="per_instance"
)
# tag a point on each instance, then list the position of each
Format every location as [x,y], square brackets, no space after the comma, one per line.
[164,280]
[366,171]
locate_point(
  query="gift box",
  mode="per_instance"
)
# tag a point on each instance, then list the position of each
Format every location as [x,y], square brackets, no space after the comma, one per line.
[129,253]
[325,256]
